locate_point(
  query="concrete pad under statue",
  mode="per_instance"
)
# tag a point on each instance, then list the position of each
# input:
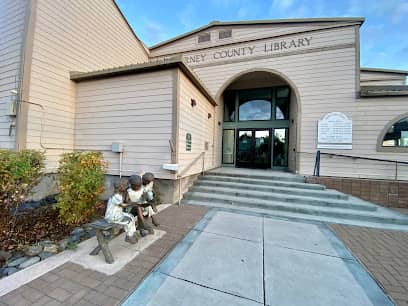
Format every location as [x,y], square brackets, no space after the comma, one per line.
[123,252]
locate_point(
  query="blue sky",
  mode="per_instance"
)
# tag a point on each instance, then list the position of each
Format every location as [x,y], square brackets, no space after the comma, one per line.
[384,35]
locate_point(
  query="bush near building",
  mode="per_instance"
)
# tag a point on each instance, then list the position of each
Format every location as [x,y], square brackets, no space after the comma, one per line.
[81,181]
[19,173]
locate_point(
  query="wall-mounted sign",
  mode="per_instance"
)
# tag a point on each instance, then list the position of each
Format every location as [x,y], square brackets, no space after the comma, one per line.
[335,131]
[188,142]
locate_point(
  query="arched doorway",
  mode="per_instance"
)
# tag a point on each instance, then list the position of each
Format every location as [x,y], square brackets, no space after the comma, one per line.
[260,121]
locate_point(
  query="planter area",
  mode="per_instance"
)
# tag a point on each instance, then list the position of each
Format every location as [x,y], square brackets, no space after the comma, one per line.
[39,234]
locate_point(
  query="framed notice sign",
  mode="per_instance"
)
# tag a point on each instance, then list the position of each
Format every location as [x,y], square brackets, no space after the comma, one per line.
[335,131]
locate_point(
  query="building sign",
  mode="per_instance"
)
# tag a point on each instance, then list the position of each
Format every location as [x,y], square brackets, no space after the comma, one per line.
[264,48]
[335,131]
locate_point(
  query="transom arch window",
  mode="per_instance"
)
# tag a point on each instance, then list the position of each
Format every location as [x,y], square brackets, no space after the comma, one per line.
[395,135]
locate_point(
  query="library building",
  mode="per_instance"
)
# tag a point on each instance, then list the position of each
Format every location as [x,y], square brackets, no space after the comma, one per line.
[284,95]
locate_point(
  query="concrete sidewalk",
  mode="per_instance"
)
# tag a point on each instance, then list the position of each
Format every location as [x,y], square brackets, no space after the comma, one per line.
[236,259]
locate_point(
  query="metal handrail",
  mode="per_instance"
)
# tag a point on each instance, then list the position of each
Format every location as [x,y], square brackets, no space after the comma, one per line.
[180,175]
[316,170]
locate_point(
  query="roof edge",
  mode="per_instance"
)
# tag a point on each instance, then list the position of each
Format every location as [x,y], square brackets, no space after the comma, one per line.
[384,70]
[258,22]
[383,90]
[144,47]
[168,63]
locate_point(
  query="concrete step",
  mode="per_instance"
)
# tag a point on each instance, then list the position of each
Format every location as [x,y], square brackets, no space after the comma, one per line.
[332,194]
[260,181]
[247,199]
[274,196]
[266,175]
[302,216]
[305,210]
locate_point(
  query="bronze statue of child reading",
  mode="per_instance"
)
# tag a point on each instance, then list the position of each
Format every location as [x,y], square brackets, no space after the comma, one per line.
[135,198]
[149,206]
[115,211]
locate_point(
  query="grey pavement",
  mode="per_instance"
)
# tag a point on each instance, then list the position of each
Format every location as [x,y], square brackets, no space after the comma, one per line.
[236,259]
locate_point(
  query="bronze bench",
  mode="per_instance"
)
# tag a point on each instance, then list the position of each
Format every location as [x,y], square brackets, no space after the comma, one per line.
[100,226]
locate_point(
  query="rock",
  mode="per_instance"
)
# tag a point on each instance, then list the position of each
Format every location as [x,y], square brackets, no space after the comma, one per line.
[51,199]
[63,244]
[18,254]
[44,255]
[17,261]
[29,262]
[46,242]
[4,256]
[74,239]
[34,250]
[9,271]
[90,233]
[50,248]
[78,231]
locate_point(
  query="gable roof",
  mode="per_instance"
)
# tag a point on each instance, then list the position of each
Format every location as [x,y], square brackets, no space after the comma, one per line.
[217,23]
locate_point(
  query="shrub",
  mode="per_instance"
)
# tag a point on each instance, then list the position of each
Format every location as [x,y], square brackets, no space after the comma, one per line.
[81,178]
[19,173]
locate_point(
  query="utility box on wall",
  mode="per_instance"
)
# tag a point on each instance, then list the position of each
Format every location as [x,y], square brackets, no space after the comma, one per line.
[117,147]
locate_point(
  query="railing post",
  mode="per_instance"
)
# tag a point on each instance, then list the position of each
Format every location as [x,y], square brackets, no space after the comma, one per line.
[316,171]
[203,165]
[396,171]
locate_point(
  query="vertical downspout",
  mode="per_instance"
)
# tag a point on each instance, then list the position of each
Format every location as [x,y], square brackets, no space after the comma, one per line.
[26,52]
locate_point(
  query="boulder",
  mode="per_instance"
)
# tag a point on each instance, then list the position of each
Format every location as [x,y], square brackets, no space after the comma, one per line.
[44,255]
[50,248]
[34,250]
[17,262]
[4,256]
[63,244]
[29,262]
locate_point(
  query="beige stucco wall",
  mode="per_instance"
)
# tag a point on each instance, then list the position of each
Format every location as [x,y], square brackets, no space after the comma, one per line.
[194,120]
[324,76]
[71,36]
[13,17]
[381,78]
[136,110]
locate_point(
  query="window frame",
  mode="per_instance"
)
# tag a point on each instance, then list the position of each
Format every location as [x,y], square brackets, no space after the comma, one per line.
[380,147]
[201,35]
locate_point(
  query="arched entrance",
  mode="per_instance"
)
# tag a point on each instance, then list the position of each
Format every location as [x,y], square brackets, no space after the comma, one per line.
[260,121]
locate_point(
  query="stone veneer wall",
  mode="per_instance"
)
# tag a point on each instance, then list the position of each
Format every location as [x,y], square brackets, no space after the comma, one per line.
[388,193]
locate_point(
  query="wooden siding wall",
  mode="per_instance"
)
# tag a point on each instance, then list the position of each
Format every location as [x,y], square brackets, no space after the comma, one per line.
[239,34]
[12,28]
[71,36]
[194,120]
[135,110]
[381,78]
[326,82]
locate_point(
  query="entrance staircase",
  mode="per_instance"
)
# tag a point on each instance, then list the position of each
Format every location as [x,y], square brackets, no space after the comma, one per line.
[287,195]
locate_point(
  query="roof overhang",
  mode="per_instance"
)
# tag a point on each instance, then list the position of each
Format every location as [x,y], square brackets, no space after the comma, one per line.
[383,91]
[163,64]
[404,72]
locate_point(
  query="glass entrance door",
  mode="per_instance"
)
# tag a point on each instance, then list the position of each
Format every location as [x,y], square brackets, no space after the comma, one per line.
[253,149]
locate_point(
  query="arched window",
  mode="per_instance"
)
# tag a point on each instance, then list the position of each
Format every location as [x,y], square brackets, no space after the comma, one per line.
[395,135]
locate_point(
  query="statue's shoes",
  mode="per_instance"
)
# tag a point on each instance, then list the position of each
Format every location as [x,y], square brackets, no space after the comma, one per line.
[131,239]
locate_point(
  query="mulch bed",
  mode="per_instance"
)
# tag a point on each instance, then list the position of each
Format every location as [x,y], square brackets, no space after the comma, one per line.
[35,225]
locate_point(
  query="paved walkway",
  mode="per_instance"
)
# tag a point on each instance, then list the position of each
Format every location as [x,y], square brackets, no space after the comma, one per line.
[383,253]
[70,284]
[236,259]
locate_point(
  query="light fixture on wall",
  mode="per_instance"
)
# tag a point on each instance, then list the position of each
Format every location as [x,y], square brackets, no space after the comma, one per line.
[209,116]
[193,102]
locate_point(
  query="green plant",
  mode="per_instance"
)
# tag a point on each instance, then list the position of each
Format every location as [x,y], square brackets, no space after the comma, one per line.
[81,180]
[19,173]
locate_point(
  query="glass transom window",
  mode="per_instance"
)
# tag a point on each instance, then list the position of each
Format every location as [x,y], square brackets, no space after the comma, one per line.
[397,134]
[255,105]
